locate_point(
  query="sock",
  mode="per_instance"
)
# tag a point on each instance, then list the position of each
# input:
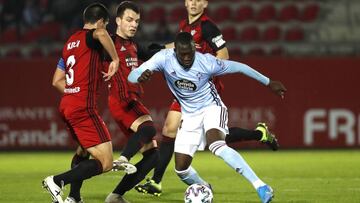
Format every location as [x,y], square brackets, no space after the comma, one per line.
[239,134]
[144,166]
[235,161]
[166,151]
[146,131]
[84,170]
[75,186]
[190,176]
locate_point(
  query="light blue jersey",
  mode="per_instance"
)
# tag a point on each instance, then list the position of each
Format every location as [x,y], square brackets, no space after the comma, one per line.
[193,87]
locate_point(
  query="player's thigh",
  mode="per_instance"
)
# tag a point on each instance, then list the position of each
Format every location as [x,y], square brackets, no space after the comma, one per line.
[104,153]
[128,115]
[171,124]
[88,128]
[190,136]
[215,123]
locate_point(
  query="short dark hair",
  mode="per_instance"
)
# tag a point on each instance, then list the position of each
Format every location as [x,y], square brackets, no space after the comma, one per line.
[183,38]
[127,5]
[95,12]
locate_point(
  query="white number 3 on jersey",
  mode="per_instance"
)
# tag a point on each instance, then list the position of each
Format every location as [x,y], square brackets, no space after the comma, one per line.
[70,62]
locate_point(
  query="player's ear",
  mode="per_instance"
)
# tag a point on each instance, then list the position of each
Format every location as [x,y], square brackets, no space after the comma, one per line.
[118,20]
[205,4]
[100,23]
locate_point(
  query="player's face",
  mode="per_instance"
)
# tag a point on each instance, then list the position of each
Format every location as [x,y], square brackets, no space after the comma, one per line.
[185,54]
[195,7]
[128,23]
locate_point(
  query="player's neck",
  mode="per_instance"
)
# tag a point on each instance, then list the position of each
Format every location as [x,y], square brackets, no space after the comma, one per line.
[120,34]
[194,18]
[89,26]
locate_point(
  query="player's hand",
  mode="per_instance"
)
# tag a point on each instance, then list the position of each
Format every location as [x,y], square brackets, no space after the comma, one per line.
[145,76]
[278,88]
[113,68]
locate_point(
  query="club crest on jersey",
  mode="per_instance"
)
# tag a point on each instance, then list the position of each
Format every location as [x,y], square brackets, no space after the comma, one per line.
[193,32]
[185,84]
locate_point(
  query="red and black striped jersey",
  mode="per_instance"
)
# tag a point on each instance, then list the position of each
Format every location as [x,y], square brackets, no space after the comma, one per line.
[207,37]
[131,55]
[206,34]
[82,57]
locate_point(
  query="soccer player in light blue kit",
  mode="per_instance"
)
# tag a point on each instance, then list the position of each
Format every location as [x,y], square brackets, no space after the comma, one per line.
[204,115]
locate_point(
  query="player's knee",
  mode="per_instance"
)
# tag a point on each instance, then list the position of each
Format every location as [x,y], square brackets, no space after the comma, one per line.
[107,163]
[147,132]
[169,131]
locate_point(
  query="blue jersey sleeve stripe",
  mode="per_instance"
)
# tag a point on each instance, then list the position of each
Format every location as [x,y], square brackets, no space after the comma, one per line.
[61,64]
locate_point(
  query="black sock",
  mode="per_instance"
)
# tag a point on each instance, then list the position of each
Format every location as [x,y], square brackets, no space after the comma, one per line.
[84,170]
[144,166]
[240,134]
[146,131]
[166,151]
[75,186]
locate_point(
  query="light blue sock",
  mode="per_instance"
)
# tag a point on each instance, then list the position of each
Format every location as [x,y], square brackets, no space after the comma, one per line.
[190,176]
[235,161]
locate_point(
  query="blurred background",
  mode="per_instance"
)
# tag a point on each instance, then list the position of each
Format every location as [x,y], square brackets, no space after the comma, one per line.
[313,47]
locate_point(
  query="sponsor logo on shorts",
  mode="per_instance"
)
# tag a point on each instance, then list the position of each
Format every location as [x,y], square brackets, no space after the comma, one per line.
[72,90]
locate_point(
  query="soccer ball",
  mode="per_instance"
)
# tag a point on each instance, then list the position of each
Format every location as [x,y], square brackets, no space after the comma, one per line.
[198,193]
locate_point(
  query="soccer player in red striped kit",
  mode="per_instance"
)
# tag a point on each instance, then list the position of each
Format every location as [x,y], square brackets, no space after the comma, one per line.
[82,55]
[208,39]
[125,104]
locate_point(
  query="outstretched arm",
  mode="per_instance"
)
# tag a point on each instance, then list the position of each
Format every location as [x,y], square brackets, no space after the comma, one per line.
[276,86]
[237,67]
[144,72]
[139,75]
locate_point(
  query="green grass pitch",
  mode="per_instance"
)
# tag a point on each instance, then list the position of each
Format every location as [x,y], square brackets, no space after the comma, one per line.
[296,176]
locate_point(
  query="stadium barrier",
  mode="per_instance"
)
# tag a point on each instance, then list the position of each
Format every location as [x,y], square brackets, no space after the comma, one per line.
[321,108]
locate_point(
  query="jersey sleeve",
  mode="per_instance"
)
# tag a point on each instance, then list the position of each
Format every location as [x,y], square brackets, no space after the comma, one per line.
[222,67]
[212,35]
[155,63]
[91,42]
[61,64]
[143,52]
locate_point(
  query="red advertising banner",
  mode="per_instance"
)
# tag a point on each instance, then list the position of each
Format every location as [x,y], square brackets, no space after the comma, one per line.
[320,110]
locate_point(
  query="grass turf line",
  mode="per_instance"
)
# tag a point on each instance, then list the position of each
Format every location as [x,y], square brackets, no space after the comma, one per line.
[296,176]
